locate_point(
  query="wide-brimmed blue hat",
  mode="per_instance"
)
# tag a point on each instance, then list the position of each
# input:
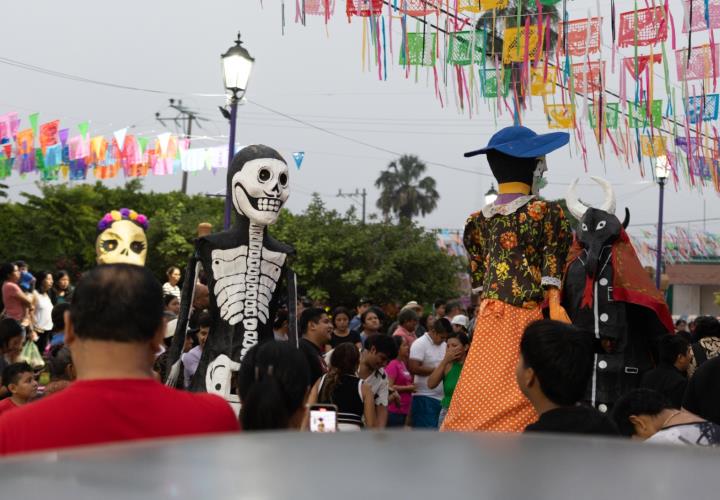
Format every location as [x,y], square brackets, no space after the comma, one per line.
[521,142]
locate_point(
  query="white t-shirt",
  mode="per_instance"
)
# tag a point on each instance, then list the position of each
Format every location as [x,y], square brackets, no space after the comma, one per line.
[430,354]
[378,382]
[700,434]
[43,311]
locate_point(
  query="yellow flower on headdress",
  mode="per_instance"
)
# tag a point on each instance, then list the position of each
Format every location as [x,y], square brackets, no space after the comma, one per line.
[133,215]
[116,215]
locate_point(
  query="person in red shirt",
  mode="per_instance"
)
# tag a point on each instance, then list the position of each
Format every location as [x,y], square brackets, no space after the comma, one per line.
[114,329]
[19,378]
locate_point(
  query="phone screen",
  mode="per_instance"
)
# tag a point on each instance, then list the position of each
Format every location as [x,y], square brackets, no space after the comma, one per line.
[323,418]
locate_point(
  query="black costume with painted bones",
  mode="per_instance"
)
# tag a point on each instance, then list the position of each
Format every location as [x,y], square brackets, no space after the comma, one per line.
[607,292]
[244,267]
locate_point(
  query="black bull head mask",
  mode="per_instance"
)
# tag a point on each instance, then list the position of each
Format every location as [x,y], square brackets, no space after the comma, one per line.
[599,227]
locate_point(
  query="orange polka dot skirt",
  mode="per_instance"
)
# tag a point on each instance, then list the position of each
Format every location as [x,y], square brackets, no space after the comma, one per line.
[487,397]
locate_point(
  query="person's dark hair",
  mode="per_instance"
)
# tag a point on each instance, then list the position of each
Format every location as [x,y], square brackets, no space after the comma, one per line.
[6,270]
[39,279]
[273,381]
[12,373]
[706,326]
[9,329]
[171,270]
[374,310]
[204,320]
[343,361]
[58,361]
[670,346]
[461,336]
[58,276]
[364,301]
[561,356]
[167,298]
[424,321]
[20,263]
[340,310]
[311,314]
[407,315]
[117,302]
[281,317]
[382,344]
[637,402]
[680,322]
[442,325]
[398,339]
[58,316]
[453,304]
[438,303]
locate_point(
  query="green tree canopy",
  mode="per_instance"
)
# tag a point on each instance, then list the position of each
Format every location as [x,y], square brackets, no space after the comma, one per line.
[403,193]
[57,229]
[338,259]
[341,260]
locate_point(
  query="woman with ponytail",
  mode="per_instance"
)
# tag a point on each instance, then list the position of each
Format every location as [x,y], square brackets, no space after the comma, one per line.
[342,387]
[273,382]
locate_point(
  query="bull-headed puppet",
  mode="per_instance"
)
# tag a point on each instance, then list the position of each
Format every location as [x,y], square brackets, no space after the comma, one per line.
[607,292]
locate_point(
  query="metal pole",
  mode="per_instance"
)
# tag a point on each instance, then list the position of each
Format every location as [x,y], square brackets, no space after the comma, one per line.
[231,154]
[658,264]
[183,189]
[364,195]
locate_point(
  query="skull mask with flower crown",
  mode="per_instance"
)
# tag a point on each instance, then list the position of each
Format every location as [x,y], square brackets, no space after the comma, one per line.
[121,238]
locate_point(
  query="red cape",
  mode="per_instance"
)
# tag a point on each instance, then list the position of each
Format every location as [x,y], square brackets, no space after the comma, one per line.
[631,282]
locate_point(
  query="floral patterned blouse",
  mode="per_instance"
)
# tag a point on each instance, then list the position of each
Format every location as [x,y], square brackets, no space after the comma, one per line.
[517,249]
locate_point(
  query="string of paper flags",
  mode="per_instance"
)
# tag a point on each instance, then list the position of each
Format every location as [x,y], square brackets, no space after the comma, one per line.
[503,54]
[54,154]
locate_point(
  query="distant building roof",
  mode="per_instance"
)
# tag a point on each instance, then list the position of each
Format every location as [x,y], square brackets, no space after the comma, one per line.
[693,274]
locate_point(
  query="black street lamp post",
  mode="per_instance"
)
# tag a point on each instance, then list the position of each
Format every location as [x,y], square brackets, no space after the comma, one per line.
[662,172]
[237,65]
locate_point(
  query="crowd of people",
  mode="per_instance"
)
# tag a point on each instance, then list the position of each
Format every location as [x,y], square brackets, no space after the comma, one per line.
[93,360]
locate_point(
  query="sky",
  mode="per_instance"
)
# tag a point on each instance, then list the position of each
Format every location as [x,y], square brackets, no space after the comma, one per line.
[311,73]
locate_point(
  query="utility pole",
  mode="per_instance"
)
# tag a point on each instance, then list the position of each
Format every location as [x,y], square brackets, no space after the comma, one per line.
[356,196]
[185,115]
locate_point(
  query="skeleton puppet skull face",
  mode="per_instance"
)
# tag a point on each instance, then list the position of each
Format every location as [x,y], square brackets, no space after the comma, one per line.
[260,189]
[122,239]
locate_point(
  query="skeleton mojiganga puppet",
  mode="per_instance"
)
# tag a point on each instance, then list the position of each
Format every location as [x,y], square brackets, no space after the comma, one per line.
[121,238]
[243,267]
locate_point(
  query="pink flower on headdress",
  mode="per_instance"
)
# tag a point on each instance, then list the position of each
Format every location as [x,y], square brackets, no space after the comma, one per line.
[142,220]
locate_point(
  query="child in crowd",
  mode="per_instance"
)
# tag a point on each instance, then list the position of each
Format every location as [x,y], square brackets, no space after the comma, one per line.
[401,383]
[19,379]
[191,359]
[57,335]
[62,370]
[553,371]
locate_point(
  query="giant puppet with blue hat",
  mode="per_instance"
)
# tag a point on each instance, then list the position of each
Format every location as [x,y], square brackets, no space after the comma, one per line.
[517,247]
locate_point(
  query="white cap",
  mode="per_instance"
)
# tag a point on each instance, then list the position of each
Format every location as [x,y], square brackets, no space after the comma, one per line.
[460,319]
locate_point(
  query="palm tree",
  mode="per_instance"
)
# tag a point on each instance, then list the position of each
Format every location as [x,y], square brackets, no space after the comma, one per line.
[403,192]
[494,24]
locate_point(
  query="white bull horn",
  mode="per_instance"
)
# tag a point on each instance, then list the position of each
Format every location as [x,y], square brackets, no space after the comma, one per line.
[576,208]
[608,204]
